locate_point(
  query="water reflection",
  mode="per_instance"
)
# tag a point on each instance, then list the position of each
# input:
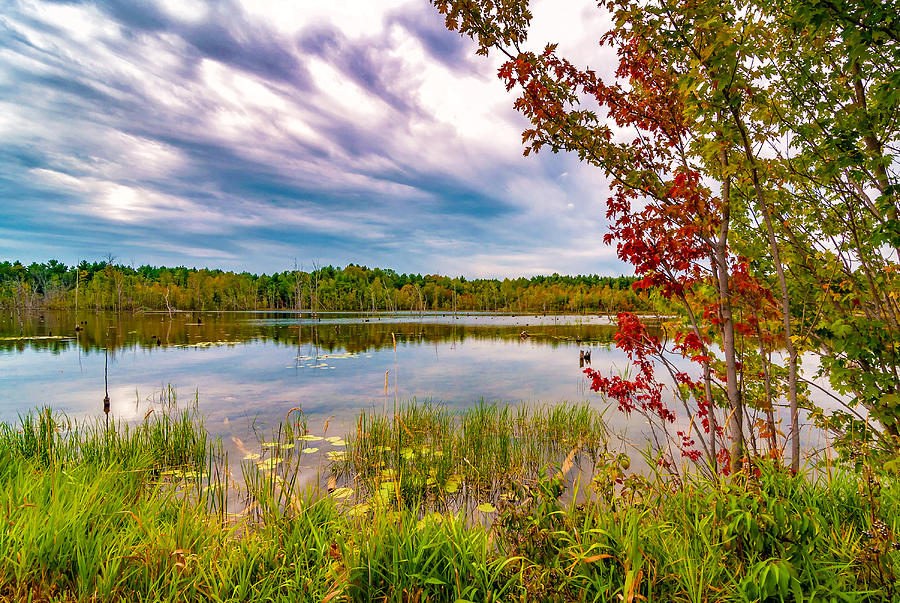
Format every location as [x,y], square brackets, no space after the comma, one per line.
[247,369]
[59,332]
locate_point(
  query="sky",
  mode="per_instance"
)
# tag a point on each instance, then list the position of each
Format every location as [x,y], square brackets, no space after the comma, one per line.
[262,134]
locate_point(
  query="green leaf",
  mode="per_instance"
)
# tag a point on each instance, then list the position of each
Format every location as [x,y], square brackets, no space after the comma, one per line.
[342,493]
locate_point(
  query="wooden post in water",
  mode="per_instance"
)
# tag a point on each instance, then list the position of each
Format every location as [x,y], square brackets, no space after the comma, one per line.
[106,384]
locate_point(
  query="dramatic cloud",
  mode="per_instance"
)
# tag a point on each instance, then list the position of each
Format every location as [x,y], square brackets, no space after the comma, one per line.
[247,134]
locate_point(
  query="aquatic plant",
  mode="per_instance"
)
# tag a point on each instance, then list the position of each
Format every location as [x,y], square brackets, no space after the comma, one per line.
[123,526]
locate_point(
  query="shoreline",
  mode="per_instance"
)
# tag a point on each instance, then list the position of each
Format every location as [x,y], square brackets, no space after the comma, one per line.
[93,513]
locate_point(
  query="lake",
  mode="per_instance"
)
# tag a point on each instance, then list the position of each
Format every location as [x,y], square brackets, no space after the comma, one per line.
[247,369]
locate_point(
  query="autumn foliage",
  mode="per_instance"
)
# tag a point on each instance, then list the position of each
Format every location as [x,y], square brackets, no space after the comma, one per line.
[739,196]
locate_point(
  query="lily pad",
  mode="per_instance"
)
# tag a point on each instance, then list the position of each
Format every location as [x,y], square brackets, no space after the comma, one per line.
[268,463]
[360,509]
[430,519]
[487,508]
[311,438]
[251,456]
[309,450]
[383,496]
[342,493]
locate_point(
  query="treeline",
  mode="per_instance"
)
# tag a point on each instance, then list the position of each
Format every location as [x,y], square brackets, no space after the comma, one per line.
[107,286]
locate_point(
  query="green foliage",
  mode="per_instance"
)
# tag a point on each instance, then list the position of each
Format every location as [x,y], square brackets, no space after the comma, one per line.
[114,527]
[784,114]
[424,454]
[767,518]
[115,287]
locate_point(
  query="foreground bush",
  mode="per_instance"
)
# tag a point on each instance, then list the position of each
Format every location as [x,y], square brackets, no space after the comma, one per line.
[149,523]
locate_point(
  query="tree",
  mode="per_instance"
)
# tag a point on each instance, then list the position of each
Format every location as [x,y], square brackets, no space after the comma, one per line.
[833,82]
[699,92]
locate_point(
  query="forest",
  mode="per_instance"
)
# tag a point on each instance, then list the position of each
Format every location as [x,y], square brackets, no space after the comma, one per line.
[107,286]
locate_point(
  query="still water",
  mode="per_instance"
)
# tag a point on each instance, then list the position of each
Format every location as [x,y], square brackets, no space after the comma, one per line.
[247,369]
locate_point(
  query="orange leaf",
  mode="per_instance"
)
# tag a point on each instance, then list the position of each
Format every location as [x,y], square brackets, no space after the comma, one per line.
[594,558]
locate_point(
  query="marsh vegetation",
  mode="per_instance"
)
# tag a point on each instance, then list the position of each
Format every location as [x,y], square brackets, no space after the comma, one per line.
[423,504]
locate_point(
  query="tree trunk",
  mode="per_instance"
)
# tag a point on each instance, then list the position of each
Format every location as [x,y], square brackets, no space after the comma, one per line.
[785,298]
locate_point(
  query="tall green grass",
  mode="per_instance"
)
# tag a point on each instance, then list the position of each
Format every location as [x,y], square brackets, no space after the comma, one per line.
[136,512]
[424,454]
[163,440]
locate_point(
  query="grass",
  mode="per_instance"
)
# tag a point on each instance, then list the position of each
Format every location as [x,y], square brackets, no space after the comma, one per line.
[427,456]
[140,512]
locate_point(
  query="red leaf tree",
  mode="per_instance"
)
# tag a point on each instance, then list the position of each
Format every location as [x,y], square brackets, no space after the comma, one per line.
[664,132]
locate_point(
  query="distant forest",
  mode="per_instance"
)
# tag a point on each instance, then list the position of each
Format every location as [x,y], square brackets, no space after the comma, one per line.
[107,286]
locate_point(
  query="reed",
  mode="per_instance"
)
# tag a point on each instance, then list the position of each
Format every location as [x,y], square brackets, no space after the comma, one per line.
[82,523]
[164,440]
[440,459]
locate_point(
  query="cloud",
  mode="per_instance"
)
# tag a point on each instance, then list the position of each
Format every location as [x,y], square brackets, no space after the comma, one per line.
[427,25]
[250,133]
